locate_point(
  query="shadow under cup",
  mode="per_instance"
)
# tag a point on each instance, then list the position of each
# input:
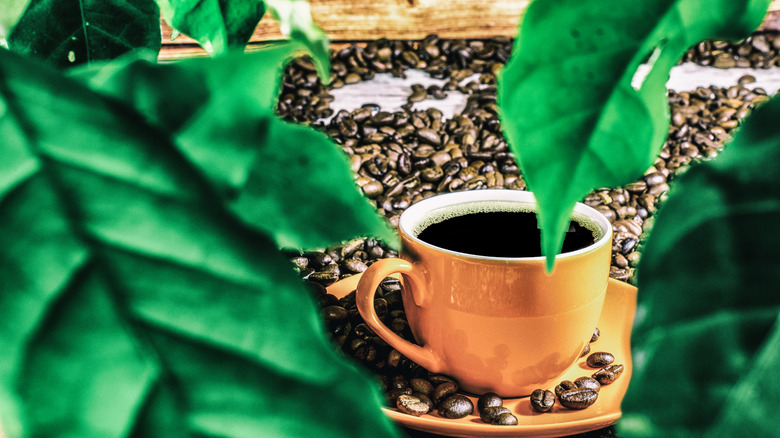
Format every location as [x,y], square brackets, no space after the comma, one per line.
[500,324]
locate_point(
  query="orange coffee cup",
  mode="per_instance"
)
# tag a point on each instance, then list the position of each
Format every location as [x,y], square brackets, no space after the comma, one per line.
[499,324]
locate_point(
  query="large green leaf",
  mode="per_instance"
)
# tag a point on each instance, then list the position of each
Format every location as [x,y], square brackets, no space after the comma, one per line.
[217,25]
[263,168]
[571,107]
[134,299]
[12,12]
[71,32]
[706,344]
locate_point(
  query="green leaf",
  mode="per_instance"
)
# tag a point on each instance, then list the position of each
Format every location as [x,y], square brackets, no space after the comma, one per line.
[134,299]
[12,11]
[295,21]
[248,168]
[706,346]
[572,110]
[72,32]
[217,25]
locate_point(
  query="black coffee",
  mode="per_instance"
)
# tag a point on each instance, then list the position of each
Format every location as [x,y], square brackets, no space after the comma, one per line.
[499,234]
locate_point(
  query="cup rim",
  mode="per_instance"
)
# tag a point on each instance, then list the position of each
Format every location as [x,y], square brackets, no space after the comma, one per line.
[415,212]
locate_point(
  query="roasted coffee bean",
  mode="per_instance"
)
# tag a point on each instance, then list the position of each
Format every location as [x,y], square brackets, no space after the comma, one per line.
[393,394]
[600,359]
[489,399]
[455,406]
[490,413]
[335,313]
[422,386]
[505,419]
[424,398]
[438,379]
[588,382]
[411,405]
[608,374]
[443,391]
[578,398]
[596,334]
[542,400]
[585,350]
[564,386]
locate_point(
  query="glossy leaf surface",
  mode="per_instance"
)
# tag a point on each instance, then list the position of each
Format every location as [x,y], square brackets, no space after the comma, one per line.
[573,109]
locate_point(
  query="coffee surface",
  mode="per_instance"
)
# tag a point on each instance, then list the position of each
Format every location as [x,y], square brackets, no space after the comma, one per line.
[499,234]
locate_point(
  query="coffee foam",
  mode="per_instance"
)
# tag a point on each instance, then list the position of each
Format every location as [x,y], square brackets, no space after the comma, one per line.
[441,214]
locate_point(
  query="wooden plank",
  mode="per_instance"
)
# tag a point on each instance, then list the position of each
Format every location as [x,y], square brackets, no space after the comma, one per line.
[352,20]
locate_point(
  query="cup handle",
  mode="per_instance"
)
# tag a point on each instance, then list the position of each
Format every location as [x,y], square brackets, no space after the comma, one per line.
[364,297]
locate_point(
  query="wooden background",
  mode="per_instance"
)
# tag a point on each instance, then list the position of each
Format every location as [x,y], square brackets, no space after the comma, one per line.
[348,21]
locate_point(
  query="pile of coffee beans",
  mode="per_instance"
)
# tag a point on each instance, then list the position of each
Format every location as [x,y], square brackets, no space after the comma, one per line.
[760,50]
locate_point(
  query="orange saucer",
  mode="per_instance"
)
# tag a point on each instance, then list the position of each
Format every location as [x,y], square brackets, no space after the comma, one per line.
[615,324]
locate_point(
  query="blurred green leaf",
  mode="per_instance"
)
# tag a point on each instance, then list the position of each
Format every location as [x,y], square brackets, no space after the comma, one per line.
[263,168]
[72,32]
[217,25]
[136,298]
[12,12]
[573,109]
[706,344]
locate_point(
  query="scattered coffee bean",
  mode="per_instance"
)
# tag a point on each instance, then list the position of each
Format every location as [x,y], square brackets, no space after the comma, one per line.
[596,334]
[588,382]
[455,406]
[491,412]
[599,359]
[505,419]
[608,374]
[542,400]
[425,399]
[444,391]
[585,350]
[489,399]
[578,398]
[564,386]
[411,405]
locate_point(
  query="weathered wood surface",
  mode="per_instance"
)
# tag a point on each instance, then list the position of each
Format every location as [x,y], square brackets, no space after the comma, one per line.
[353,20]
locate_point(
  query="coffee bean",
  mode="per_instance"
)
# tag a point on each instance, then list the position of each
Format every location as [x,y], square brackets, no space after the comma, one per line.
[424,398]
[505,419]
[596,334]
[422,386]
[487,400]
[600,359]
[411,405]
[443,391]
[564,386]
[542,400]
[578,398]
[393,394]
[490,413]
[588,382]
[608,374]
[455,406]
[585,351]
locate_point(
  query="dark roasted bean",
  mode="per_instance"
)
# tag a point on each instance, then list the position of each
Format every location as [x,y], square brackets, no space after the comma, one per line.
[411,405]
[608,374]
[578,398]
[588,382]
[600,359]
[490,413]
[542,400]
[444,390]
[422,386]
[455,406]
[505,419]
[489,399]
[564,386]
